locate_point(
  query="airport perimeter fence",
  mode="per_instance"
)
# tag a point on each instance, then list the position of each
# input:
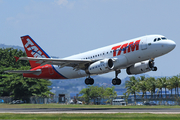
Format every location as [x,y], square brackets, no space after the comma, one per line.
[154,100]
[31,100]
[170,100]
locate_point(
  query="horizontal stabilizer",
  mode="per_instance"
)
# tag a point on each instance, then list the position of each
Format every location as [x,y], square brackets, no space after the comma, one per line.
[17,58]
[24,71]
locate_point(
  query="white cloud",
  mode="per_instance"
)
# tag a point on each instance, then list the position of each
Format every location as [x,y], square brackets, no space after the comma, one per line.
[66,3]
[12,20]
[62,2]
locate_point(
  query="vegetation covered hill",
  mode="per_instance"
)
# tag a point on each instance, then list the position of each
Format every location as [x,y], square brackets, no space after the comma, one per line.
[11,46]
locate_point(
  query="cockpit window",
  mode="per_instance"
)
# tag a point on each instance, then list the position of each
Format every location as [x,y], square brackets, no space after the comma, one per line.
[163,38]
[159,39]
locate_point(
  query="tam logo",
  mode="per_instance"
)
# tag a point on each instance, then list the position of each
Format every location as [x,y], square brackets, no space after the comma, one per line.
[126,48]
[34,50]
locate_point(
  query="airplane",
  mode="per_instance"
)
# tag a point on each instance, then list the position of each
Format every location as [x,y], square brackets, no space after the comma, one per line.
[136,56]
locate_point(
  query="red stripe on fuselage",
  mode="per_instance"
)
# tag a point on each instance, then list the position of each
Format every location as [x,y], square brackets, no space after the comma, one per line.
[47,72]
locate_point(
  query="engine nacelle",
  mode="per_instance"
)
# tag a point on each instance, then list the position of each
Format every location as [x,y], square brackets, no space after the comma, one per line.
[141,67]
[101,66]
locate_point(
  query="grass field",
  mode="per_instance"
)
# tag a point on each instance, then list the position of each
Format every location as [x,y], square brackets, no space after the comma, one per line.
[117,116]
[91,116]
[77,106]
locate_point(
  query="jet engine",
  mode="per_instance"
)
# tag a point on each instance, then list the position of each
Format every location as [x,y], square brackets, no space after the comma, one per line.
[101,66]
[141,67]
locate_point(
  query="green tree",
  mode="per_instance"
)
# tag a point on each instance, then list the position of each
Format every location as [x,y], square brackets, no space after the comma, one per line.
[161,83]
[110,94]
[170,84]
[176,82]
[85,94]
[151,85]
[14,84]
[126,95]
[23,88]
[142,85]
[132,87]
[94,93]
[7,58]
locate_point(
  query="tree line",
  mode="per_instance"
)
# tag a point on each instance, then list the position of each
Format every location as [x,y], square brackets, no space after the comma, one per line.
[15,85]
[150,84]
[96,93]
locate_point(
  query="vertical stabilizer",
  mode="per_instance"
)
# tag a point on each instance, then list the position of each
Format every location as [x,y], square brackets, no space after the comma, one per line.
[33,50]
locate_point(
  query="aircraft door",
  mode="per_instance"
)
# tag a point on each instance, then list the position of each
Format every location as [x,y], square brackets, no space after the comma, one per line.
[51,71]
[144,44]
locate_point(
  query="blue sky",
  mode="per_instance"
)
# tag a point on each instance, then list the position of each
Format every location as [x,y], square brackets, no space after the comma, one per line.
[66,27]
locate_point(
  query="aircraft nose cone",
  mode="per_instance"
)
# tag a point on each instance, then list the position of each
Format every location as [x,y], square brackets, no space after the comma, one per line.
[171,44]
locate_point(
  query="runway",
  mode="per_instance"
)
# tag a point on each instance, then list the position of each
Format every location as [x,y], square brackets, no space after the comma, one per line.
[90,110]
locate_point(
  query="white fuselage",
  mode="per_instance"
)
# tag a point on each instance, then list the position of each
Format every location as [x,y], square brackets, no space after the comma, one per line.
[124,54]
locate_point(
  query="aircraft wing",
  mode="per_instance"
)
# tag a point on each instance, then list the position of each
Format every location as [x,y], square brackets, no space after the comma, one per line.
[75,63]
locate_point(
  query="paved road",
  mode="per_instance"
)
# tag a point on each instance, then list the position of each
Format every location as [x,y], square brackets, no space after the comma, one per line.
[91,110]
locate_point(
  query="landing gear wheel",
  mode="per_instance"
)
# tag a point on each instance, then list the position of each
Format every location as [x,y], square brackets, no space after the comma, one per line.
[89,81]
[155,69]
[116,81]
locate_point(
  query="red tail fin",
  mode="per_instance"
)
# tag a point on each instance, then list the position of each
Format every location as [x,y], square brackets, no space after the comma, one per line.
[33,50]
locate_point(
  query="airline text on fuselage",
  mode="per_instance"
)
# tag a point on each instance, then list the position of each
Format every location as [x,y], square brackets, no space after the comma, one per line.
[131,47]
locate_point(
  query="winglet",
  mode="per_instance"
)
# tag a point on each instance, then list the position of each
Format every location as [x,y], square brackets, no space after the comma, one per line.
[17,58]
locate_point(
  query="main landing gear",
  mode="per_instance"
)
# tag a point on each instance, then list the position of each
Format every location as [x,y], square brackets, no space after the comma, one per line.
[116,80]
[89,81]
